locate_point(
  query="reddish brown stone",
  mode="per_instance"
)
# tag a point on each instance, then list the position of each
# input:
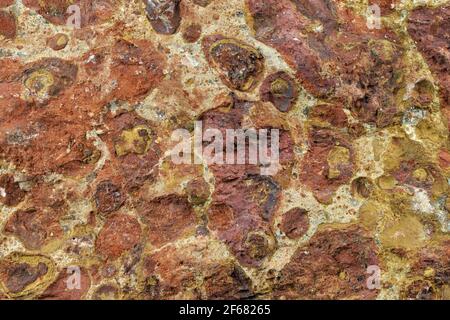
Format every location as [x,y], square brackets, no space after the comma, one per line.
[444,159]
[192,33]
[7,25]
[221,217]
[94,61]
[295,223]
[430,28]
[106,292]
[173,273]
[241,212]
[164,15]
[11,193]
[286,145]
[108,197]
[67,287]
[272,21]
[327,115]
[6,3]
[134,165]
[120,234]
[362,187]
[137,67]
[27,137]
[316,169]
[53,10]
[227,282]
[228,117]
[231,117]
[280,89]
[244,201]
[58,41]
[239,65]
[411,172]
[386,6]
[357,70]
[87,178]
[167,218]
[33,227]
[198,191]
[333,265]
[40,144]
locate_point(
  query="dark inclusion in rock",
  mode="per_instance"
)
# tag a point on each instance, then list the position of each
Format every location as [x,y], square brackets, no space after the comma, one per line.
[295,223]
[332,265]
[279,88]
[21,275]
[108,197]
[164,15]
[49,76]
[239,65]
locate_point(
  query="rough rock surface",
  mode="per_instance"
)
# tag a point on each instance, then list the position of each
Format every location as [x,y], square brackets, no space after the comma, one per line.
[92,205]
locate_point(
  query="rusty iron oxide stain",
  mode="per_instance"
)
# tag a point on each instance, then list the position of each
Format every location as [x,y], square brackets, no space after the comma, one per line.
[93,205]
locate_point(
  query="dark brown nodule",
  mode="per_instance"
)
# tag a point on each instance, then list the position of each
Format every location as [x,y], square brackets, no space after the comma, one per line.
[164,15]
[332,265]
[198,191]
[58,41]
[22,274]
[280,89]
[258,246]
[239,65]
[192,33]
[12,193]
[108,197]
[295,223]
[362,186]
[202,3]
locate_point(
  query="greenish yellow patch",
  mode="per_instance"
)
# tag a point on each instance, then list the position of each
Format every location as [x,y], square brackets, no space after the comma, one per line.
[137,140]
[405,232]
[420,174]
[369,214]
[387,182]
[62,40]
[429,131]
[39,83]
[337,157]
